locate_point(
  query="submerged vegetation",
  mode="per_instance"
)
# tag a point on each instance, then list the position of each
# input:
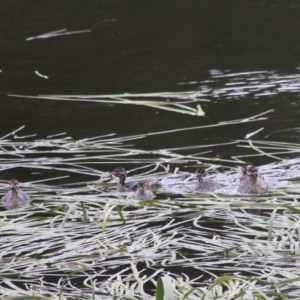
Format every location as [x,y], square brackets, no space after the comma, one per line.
[83,239]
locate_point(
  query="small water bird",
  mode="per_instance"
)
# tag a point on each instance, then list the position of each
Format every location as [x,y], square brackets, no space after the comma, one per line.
[205,184]
[251,182]
[120,172]
[15,197]
[142,193]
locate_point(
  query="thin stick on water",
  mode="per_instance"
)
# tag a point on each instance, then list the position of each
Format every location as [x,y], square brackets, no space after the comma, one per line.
[12,133]
[48,179]
[56,33]
[249,135]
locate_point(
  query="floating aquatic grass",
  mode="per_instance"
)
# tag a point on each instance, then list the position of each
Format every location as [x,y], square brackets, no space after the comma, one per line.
[169,101]
[56,33]
[257,84]
[82,239]
[165,288]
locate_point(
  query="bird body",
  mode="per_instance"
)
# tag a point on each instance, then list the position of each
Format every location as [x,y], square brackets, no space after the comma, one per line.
[15,197]
[124,185]
[205,184]
[142,193]
[251,182]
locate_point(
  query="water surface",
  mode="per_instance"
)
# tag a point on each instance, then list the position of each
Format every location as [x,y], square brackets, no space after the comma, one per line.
[241,56]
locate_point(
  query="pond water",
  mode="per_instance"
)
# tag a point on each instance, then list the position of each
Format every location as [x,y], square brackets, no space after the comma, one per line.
[237,59]
[242,56]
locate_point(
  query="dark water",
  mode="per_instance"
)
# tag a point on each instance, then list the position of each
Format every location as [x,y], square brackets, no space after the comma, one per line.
[152,46]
